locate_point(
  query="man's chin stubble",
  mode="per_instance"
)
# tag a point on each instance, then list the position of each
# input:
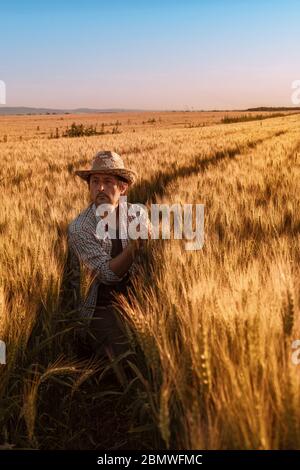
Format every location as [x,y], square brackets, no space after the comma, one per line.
[102,198]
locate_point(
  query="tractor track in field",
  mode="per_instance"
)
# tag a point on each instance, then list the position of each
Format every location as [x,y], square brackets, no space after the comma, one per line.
[147,191]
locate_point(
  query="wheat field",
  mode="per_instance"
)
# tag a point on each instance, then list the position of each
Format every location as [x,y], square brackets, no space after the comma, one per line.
[211,330]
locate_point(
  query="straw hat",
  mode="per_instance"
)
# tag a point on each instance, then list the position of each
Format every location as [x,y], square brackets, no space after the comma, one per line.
[109,163]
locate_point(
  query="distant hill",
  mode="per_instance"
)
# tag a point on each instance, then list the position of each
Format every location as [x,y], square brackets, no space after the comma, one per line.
[21,110]
[24,110]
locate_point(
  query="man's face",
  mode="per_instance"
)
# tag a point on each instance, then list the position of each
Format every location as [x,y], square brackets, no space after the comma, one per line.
[106,189]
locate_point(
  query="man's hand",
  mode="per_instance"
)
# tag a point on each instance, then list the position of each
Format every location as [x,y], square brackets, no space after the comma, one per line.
[122,262]
[138,245]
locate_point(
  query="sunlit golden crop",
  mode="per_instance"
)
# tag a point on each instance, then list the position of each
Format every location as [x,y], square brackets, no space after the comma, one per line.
[212,329]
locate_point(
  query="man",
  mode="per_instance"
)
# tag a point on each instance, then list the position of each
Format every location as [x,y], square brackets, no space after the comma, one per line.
[111,261]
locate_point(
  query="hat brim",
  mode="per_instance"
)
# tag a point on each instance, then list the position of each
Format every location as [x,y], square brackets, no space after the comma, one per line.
[129,175]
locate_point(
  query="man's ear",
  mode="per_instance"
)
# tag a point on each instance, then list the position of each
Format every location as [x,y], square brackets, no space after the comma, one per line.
[123,187]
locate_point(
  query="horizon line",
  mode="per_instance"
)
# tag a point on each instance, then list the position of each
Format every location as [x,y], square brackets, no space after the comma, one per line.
[83,110]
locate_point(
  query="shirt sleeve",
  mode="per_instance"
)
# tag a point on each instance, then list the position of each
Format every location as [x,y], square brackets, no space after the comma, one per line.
[92,255]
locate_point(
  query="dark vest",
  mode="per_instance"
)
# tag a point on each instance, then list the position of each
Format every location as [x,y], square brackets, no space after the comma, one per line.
[105,292]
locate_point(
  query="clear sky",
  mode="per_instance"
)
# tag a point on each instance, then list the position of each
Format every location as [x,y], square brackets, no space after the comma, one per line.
[181,54]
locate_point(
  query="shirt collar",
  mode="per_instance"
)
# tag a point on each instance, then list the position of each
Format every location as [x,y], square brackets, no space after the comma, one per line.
[94,208]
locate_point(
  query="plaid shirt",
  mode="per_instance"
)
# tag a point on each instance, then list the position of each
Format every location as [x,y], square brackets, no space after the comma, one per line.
[85,247]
